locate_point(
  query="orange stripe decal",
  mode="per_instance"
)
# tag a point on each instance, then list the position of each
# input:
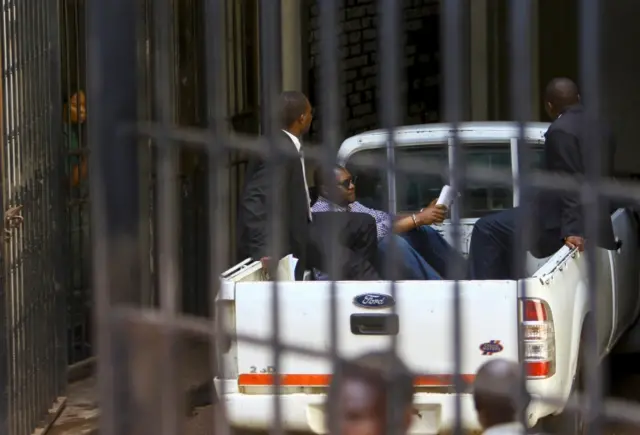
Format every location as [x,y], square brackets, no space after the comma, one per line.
[302,380]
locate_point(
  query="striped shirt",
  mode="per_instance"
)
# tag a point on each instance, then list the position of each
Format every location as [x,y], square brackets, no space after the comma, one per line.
[383,220]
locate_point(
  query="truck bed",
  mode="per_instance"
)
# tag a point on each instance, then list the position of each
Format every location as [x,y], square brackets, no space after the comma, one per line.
[489,311]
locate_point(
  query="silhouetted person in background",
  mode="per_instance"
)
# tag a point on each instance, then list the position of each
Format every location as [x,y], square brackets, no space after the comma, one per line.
[498,398]
[557,217]
[362,389]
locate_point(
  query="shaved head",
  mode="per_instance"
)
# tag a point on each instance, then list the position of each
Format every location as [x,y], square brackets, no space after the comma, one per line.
[497,392]
[559,94]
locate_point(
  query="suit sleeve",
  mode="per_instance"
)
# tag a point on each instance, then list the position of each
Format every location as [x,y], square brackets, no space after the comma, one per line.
[255,204]
[563,156]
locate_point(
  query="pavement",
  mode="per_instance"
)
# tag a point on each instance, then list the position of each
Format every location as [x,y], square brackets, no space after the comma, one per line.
[80,416]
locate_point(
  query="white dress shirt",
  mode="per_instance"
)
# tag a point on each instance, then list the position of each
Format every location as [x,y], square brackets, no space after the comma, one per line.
[296,142]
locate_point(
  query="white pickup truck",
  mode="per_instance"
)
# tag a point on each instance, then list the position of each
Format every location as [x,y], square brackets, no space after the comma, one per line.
[553,314]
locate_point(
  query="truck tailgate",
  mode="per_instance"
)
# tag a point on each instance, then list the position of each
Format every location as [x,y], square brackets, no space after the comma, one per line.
[424,330]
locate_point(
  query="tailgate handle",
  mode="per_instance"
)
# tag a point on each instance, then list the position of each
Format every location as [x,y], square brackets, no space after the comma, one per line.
[375,324]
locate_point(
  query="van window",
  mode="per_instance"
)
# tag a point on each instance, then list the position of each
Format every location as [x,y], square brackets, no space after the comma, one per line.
[414,191]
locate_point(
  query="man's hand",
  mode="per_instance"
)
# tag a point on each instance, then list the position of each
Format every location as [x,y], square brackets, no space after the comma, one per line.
[265,262]
[432,214]
[575,242]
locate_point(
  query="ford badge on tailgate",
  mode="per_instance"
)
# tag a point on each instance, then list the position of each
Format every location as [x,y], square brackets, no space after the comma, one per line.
[374,300]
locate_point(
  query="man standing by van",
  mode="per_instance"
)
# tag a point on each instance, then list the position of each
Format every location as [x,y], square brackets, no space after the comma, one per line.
[557,216]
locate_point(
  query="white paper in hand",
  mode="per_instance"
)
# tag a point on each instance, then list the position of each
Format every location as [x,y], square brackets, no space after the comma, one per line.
[447,195]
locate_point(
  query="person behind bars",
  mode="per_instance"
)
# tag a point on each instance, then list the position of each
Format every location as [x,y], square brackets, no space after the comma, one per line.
[303,235]
[366,391]
[557,217]
[499,398]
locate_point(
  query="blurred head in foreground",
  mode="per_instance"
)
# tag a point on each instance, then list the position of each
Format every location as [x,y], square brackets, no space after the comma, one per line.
[362,388]
[497,393]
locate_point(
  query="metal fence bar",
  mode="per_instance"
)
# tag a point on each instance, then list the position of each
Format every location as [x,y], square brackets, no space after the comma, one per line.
[589,55]
[5,321]
[520,33]
[50,75]
[168,216]
[389,12]
[329,92]
[23,187]
[452,32]
[6,31]
[539,180]
[218,199]
[114,182]
[270,86]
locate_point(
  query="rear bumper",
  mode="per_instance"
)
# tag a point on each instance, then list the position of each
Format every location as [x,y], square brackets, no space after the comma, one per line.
[305,412]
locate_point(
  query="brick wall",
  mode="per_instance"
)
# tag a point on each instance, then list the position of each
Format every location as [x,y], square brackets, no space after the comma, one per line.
[360,63]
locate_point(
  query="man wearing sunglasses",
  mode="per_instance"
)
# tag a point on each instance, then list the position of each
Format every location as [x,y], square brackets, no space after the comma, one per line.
[422,252]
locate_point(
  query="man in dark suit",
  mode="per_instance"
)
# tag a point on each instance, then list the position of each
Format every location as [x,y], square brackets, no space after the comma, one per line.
[303,235]
[558,217]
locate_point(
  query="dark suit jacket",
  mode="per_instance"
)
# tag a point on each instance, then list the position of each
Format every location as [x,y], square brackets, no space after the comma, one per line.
[258,192]
[564,152]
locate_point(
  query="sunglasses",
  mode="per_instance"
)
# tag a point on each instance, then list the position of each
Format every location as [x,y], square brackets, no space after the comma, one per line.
[348,182]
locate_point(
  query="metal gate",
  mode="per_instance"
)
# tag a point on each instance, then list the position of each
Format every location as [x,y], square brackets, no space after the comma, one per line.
[33,328]
[138,346]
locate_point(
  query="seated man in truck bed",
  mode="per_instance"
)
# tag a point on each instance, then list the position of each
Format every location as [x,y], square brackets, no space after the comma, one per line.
[422,252]
[557,217]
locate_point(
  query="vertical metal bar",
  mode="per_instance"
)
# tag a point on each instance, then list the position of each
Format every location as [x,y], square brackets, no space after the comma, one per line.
[452,32]
[218,203]
[5,351]
[19,189]
[329,103]
[10,168]
[20,194]
[590,35]
[8,116]
[31,155]
[66,146]
[390,49]
[520,35]
[114,182]
[81,207]
[168,211]
[271,84]
[40,290]
[52,69]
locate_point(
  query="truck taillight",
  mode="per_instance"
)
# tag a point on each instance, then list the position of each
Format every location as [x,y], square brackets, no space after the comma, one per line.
[539,338]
